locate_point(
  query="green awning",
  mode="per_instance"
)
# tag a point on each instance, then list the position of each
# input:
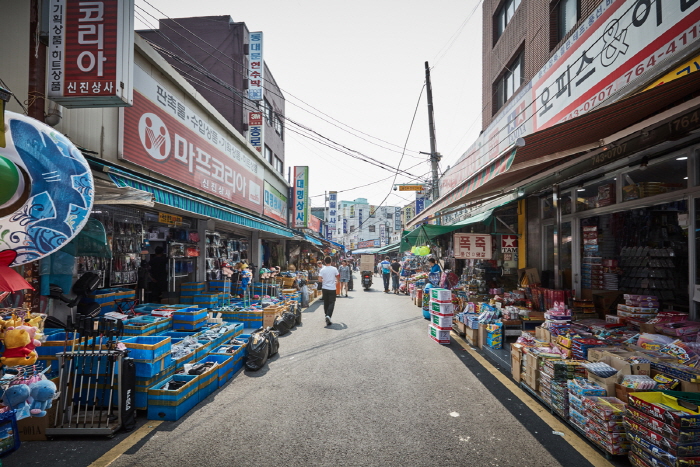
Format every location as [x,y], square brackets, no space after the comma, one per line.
[390,248]
[429,231]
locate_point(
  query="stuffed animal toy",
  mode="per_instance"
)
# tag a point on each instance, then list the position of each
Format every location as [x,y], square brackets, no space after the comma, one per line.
[43,393]
[17,351]
[33,334]
[15,397]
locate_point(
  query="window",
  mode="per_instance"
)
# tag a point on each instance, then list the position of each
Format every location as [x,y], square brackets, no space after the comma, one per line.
[372,228]
[268,111]
[503,16]
[512,79]
[278,125]
[268,155]
[567,17]
[279,166]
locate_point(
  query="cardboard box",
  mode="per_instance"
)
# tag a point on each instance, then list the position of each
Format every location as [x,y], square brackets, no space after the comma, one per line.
[472,336]
[533,277]
[461,328]
[441,295]
[622,392]
[516,357]
[34,428]
[648,328]
[482,335]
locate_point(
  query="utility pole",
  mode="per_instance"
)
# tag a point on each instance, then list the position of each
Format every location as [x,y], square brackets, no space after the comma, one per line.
[434,156]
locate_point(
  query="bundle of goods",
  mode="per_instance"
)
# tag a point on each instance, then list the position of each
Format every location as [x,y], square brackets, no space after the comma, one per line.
[605,425]
[494,335]
[663,429]
[554,377]
[581,346]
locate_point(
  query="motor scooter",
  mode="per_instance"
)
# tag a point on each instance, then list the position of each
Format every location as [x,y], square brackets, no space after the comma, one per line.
[366,279]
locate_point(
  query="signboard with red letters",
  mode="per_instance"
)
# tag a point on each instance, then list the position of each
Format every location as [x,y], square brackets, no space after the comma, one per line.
[473,246]
[509,243]
[91,52]
[166,136]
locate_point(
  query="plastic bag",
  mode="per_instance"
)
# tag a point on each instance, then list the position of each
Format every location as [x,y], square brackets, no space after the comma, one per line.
[290,318]
[273,337]
[258,350]
[281,325]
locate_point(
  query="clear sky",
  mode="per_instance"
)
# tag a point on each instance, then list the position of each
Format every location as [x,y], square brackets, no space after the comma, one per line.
[361,63]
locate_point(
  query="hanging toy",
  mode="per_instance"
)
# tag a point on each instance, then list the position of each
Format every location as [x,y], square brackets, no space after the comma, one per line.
[43,393]
[15,397]
[17,351]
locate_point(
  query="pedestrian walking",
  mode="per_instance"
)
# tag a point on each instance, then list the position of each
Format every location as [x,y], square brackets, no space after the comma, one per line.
[345,273]
[395,269]
[328,277]
[385,268]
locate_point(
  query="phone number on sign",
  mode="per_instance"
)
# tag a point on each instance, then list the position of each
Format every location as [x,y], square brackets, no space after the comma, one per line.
[646,64]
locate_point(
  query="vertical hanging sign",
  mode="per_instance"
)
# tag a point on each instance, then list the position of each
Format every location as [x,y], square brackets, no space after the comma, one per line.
[301,197]
[397,219]
[332,212]
[382,235]
[255,130]
[91,53]
[256,66]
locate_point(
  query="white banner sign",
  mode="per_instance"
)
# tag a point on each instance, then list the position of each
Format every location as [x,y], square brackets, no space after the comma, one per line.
[256,67]
[473,246]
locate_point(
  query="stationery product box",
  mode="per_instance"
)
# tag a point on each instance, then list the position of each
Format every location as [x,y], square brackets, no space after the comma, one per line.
[442,309]
[665,408]
[438,335]
[443,323]
[441,295]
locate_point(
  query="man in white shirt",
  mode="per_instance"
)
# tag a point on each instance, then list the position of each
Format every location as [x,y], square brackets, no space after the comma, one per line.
[328,276]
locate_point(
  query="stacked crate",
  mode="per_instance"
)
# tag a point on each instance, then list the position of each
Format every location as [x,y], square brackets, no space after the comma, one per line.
[441,314]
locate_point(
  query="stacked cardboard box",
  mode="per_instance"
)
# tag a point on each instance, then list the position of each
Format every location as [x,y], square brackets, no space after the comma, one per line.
[441,314]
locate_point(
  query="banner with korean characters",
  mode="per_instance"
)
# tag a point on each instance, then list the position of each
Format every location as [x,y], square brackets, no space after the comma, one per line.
[397,219]
[332,212]
[91,52]
[621,46]
[473,246]
[256,130]
[275,204]
[315,223]
[256,66]
[301,197]
[166,136]
[368,244]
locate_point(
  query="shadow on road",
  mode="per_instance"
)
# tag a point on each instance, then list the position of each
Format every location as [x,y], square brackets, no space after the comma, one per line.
[337,326]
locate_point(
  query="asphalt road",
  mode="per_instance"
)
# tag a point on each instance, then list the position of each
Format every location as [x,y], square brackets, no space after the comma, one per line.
[372,389]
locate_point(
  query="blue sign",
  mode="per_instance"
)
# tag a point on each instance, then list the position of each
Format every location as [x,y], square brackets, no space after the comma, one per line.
[420,205]
[345,226]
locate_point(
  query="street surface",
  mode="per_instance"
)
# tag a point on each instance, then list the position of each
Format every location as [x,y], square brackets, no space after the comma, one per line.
[372,389]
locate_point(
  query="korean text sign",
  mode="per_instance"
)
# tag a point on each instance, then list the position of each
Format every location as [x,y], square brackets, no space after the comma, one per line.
[619,47]
[301,197]
[332,210]
[162,134]
[90,54]
[256,67]
[473,246]
[275,204]
[255,130]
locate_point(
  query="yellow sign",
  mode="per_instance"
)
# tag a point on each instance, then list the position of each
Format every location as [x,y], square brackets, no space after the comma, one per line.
[410,187]
[170,219]
[691,66]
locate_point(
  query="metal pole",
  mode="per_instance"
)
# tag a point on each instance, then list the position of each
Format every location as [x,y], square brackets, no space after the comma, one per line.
[556,201]
[434,157]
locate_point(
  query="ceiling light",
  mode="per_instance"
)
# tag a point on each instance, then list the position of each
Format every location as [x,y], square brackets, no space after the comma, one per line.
[685,178]
[581,189]
[682,158]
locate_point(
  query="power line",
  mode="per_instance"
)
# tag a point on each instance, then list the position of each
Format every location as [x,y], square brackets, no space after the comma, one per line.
[265,79]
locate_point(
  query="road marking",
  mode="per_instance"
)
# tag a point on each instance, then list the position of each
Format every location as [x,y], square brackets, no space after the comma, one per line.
[126,444]
[591,454]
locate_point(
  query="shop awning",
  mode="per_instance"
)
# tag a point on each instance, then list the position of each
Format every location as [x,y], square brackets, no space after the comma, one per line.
[107,193]
[390,248]
[545,149]
[428,231]
[180,199]
[313,240]
[365,251]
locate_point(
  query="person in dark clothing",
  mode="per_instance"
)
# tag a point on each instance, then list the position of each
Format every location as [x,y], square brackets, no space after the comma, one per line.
[395,269]
[158,274]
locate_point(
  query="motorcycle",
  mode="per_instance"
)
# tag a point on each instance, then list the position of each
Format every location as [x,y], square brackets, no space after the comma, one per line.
[366,279]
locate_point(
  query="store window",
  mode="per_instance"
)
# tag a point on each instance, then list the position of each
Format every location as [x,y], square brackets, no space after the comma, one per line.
[596,195]
[566,13]
[503,16]
[278,125]
[656,178]
[510,81]
[268,111]
[279,166]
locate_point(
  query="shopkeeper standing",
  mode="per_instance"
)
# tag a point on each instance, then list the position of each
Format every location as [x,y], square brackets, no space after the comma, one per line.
[158,274]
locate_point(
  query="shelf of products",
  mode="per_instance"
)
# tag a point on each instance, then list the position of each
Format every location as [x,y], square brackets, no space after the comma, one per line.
[127,233]
[220,250]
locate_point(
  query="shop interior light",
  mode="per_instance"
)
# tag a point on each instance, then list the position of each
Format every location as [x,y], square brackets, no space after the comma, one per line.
[682,158]
[581,189]
[685,178]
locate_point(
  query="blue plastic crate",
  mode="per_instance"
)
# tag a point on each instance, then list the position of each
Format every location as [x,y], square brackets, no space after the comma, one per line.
[187,326]
[202,351]
[141,326]
[172,405]
[180,334]
[151,369]
[56,343]
[148,348]
[190,316]
[9,433]
[208,382]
